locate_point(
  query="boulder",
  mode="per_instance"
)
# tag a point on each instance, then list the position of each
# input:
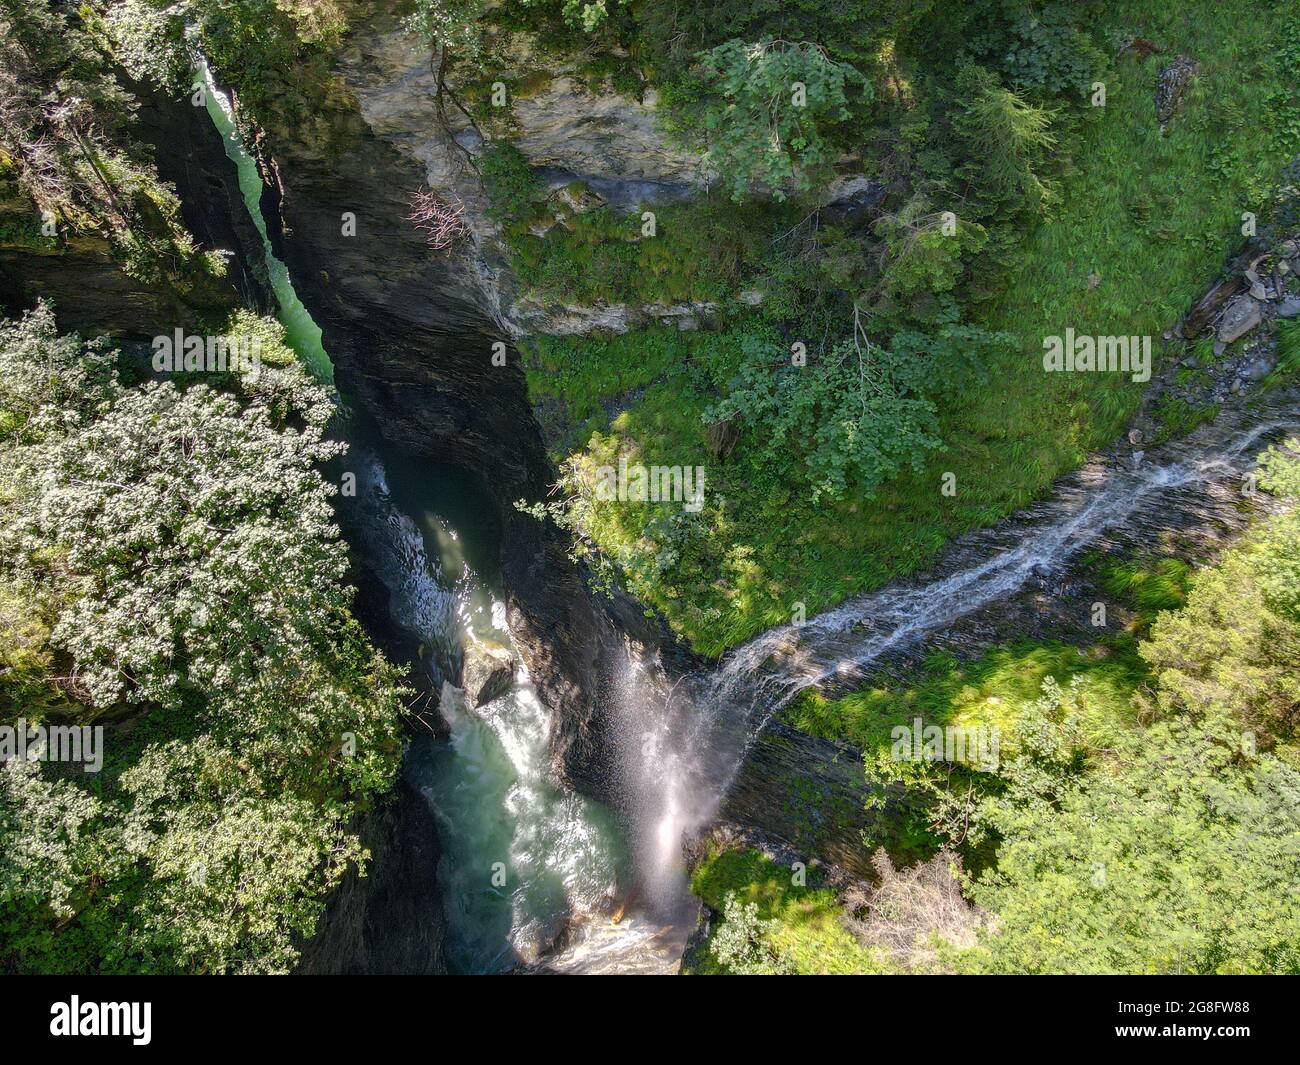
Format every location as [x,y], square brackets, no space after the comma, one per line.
[1171,88]
[1259,367]
[1241,316]
[489,671]
[1208,306]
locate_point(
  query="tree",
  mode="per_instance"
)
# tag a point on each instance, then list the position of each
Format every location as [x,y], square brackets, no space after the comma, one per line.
[177,557]
[1235,647]
[855,416]
[764,109]
[1006,142]
[1180,855]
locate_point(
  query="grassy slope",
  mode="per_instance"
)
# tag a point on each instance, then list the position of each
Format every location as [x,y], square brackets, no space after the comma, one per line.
[1152,217]
[988,690]
[809,930]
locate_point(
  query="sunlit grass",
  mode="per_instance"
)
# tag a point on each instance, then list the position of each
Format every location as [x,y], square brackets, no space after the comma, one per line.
[989,691]
[809,929]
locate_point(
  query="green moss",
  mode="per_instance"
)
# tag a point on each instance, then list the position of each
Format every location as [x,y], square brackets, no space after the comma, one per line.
[701,250]
[508,180]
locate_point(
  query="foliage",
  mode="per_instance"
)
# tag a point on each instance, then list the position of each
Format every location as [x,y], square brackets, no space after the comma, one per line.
[671,33]
[742,942]
[924,259]
[1007,141]
[1180,859]
[65,133]
[509,182]
[1050,52]
[866,403]
[701,250]
[185,582]
[449,25]
[275,55]
[149,43]
[763,109]
[1235,647]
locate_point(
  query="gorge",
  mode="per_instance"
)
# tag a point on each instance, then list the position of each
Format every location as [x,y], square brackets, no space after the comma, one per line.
[654,421]
[683,738]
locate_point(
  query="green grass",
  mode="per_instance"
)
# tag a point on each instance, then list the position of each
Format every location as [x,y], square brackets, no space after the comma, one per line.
[1288,354]
[1147,586]
[809,926]
[581,374]
[1178,417]
[1148,218]
[989,690]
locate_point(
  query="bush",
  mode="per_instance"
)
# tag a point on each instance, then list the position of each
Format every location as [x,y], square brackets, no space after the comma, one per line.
[759,127]
[741,942]
[1235,647]
[1180,857]
[510,184]
[855,415]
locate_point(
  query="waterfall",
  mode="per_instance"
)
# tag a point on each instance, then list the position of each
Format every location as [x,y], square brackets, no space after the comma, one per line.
[711,718]
[521,857]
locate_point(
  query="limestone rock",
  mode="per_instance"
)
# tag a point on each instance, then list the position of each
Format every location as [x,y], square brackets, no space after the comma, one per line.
[1259,367]
[1242,315]
[489,671]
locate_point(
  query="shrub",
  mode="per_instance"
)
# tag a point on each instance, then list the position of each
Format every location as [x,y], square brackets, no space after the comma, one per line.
[764,111]
[1006,141]
[856,415]
[742,942]
[509,182]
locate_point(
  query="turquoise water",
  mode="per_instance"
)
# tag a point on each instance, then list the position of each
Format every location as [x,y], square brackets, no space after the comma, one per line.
[519,855]
[302,333]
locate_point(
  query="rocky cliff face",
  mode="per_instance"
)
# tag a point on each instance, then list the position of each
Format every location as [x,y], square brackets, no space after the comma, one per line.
[91,291]
[568,130]
[388,922]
